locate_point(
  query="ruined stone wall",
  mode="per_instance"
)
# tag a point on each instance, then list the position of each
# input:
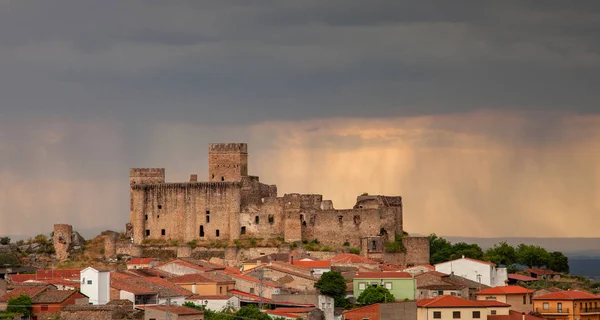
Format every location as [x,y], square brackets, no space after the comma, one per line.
[184,252]
[110,245]
[417,250]
[124,247]
[186,211]
[141,176]
[334,227]
[227,161]
[62,240]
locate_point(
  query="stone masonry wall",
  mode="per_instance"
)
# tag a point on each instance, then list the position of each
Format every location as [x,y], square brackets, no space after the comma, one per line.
[62,240]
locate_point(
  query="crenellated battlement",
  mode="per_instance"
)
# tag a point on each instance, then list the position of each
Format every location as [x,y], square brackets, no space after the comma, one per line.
[228,147]
[184,185]
[147,172]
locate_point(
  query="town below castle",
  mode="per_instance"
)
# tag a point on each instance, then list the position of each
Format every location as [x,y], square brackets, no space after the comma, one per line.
[231,247]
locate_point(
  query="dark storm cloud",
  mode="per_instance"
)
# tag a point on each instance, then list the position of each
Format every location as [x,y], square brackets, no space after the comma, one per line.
[240,61]
[89,89]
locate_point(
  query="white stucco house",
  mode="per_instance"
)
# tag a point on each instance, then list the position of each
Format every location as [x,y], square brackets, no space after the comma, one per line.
[486,273]
[95,283]
[216,303]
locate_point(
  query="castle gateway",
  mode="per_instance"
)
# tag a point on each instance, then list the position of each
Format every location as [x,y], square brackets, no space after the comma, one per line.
[234,205]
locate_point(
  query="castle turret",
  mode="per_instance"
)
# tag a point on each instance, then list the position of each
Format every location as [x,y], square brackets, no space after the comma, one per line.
[141,176]
[227,161]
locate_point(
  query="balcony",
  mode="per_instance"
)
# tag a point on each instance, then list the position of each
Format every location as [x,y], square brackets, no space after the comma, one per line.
[551,311]
[589,311]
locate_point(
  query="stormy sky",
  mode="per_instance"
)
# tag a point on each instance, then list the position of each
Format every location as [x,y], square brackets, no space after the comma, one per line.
[483,115]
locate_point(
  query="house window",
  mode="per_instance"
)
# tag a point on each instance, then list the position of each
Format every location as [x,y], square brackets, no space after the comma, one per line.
[44,307]
[440,292]
[220,290]
[559,307]
[243,231]
[437,314]
[147,233]
[388,285]
[256,220]
[453,293]
[546,305]
[490,298]
[476,314]
[89,282]
[455,314]
[524,299]
[252,290]
[361,286]
[217,232]
[163,232]
[493,312]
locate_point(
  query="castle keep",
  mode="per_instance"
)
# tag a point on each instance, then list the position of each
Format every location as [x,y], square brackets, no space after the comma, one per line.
[234,205]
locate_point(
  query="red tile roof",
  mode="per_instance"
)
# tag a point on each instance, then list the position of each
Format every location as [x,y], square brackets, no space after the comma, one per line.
[178,310]
[29,291]
[247,296]
[282,314]
[427,266]
[141,261]
[456,302]
[513,315]
[520,277]
[540,271]
[505,290]
[368,312]
[383,275]
[348,258]
[246,278]
[21,277]
[54,296]
[199,278]
[432,273]
[568,295]
[73,274]
[208,297]
[295,310]
[314,263]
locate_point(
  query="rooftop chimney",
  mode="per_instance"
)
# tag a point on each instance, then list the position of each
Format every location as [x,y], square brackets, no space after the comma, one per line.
[193,178]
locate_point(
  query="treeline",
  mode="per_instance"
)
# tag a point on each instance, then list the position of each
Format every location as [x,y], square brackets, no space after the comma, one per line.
[502,253]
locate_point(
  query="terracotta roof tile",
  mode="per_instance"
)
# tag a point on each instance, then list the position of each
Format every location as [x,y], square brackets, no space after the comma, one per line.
[505,290]
[473,260]
[513,315]
[53,296]
[282,314]
[199,278]
[21,277]
[178,310]
[540,271]
[30,291]
[568,295]
[520,277]
[456,302]
[314,263]
[73,274]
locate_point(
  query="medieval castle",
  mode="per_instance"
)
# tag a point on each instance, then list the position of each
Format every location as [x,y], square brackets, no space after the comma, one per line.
[234,205]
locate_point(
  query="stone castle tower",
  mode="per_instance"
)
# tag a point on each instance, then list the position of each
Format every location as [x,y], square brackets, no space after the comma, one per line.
[227,161]
[62,240]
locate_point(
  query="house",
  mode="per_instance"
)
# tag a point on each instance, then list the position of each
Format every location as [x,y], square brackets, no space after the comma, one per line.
[450,307]
[543,274]
[405,310]
[514,278]
[295,277]
[142,263]
[183,266]
[264,259]
[148,291]
[204,283]
[541,292]
[172,313]
[519,298]
[30,291]
[97,312]
[215,303]
[514,315]
[442,289]
[400,284]
[289,313]
[324,303]
[49,302]
[317,267]
[95,284]
[476,270]
[251,285]
[570,305]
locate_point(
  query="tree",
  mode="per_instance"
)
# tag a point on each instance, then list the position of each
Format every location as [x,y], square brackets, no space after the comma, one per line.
[501,253]
[8,259]
[472,251]
[440,249]
[20,305]
[333,284]
[558,262]
[532,256]
[251,312]
[5,240]
[372,295]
